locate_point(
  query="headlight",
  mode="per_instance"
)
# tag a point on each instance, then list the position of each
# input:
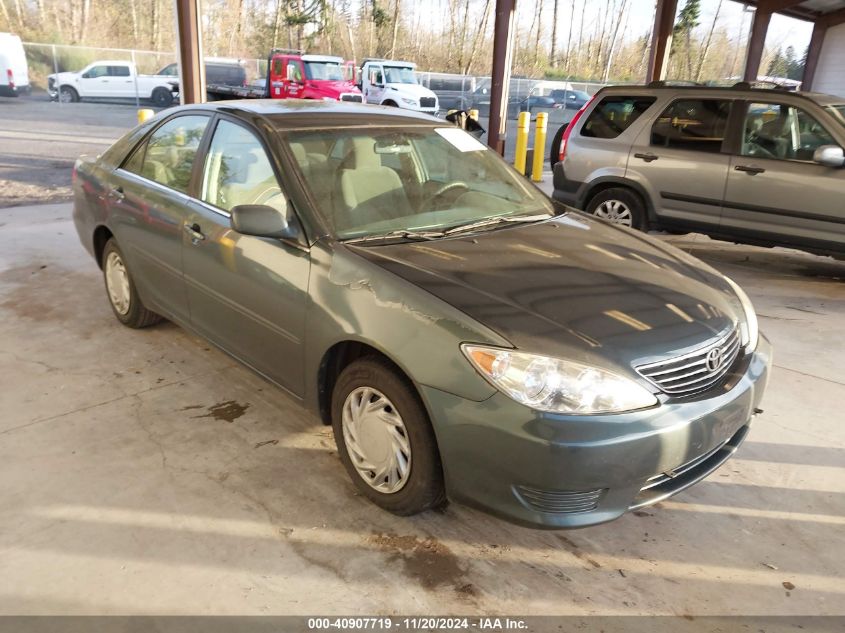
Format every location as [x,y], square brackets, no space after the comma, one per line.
[558,386]
[411,102]
[749,331]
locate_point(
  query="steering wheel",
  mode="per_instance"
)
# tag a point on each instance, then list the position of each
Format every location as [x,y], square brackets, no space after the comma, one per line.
[444,189]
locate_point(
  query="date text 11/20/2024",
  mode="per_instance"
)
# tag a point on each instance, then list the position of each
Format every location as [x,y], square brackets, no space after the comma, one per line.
[417,623]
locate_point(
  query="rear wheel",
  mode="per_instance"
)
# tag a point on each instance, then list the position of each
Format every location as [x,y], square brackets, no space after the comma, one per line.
[392,104]
[121,291]
[162,97]
[619,205]
[384,438]
[68,94]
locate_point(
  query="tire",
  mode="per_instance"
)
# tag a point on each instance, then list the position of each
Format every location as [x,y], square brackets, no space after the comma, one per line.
[162,97]
[68,94]
[135,314]
[423,486]
[621,206]
[391,104]
[555,149]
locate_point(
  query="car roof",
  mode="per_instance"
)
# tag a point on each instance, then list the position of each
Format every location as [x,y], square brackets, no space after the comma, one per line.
[311,113]
[768,93]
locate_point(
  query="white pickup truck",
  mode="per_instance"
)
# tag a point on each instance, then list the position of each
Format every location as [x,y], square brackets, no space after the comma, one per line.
[112,80]
[394,83]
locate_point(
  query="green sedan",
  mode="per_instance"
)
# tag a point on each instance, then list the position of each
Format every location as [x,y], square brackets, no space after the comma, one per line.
[466,337]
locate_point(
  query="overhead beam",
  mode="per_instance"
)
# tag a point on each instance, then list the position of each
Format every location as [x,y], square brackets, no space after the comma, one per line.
[776,6]
[835,18]
[191,68]
[756,42]
[501,74]
[661,40]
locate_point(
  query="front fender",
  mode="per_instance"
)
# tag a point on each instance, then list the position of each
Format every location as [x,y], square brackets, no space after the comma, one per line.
[352,299]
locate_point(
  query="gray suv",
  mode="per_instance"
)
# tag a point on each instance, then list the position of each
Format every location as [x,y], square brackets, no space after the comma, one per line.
[758,166]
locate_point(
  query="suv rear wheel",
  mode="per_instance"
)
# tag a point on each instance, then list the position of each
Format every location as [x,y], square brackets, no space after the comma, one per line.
[620,206]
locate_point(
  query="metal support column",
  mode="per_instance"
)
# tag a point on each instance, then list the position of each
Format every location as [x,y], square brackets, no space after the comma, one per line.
[661,40]
[191,68]
[756,42]
[501,75]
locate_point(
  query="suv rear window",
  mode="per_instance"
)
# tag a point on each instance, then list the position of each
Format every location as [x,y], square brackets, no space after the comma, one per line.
[692,124]
[613,115]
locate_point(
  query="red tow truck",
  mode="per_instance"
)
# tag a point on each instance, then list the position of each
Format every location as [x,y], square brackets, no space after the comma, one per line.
[294,75]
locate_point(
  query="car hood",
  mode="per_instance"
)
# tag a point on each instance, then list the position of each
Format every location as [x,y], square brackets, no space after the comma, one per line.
[572,287]
[333,88]
[413,90]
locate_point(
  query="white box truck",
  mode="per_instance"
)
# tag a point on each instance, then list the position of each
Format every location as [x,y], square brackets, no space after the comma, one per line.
[14,73]
[394,83]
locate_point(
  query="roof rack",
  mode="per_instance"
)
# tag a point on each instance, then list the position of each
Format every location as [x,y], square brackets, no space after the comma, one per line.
[287,51]
[672,82]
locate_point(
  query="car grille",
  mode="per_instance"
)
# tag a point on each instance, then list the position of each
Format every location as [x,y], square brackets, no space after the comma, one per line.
[560,501]
[661,478]
[695,371]
[427,102]
[351,97]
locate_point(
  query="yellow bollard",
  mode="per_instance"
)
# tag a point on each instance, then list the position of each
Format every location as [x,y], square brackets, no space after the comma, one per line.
[523,126]
[539,146]
[473,114]
[145,114]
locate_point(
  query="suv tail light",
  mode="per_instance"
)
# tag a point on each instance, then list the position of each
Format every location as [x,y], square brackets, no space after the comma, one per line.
[568,130]
[11,78]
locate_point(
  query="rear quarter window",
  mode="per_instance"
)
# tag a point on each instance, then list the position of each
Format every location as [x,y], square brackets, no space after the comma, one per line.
[615,114]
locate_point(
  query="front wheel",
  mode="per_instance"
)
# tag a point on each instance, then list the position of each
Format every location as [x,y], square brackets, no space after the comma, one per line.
[384,438]
[121,290]
[619,206]
[68,95]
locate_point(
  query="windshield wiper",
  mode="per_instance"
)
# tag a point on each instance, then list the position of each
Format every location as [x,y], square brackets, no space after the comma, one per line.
[497,220]
[400,234]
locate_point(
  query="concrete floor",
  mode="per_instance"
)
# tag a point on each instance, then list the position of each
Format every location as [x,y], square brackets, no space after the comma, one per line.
[146,472]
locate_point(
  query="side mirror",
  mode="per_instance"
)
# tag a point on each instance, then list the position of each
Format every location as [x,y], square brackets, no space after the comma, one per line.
[86,76]
[829,156]
[262,220]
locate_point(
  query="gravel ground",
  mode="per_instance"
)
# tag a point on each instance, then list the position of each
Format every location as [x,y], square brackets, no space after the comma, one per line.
[40,140]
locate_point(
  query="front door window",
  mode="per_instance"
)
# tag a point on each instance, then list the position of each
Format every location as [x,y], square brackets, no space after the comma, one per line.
[782,132]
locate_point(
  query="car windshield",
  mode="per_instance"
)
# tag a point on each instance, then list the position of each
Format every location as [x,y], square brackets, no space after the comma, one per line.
[838,113]
[324,70]
[382,182]
[400,75]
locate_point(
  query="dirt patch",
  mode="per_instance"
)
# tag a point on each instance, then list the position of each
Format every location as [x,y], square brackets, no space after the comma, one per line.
[46,293]
[575,550]
[227,411]
[16,193]
[428,561]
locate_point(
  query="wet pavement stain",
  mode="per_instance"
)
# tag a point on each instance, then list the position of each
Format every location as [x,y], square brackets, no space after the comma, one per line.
[428,561]
[227,411]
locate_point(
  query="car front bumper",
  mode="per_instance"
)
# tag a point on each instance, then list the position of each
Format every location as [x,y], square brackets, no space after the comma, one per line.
[557,471]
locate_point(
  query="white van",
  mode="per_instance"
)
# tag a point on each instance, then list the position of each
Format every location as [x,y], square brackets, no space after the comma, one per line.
[14,74]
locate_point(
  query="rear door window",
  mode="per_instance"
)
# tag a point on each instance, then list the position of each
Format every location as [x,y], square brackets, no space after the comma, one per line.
[119,71]
[692,124]
[613,115]
[167,157]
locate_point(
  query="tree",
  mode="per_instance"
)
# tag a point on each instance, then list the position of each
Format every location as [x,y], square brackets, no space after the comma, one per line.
[686,23]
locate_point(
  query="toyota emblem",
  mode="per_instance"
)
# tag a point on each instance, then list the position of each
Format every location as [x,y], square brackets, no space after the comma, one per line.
[713,360]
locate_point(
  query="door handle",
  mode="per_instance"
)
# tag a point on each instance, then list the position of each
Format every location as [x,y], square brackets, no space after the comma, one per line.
[750,169]
[194,232]
[117,194]
[647,157]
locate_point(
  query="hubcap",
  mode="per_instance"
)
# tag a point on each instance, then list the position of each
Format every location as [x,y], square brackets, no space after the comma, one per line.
[117,283]
[376,440]
[615,211]
[64,95]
